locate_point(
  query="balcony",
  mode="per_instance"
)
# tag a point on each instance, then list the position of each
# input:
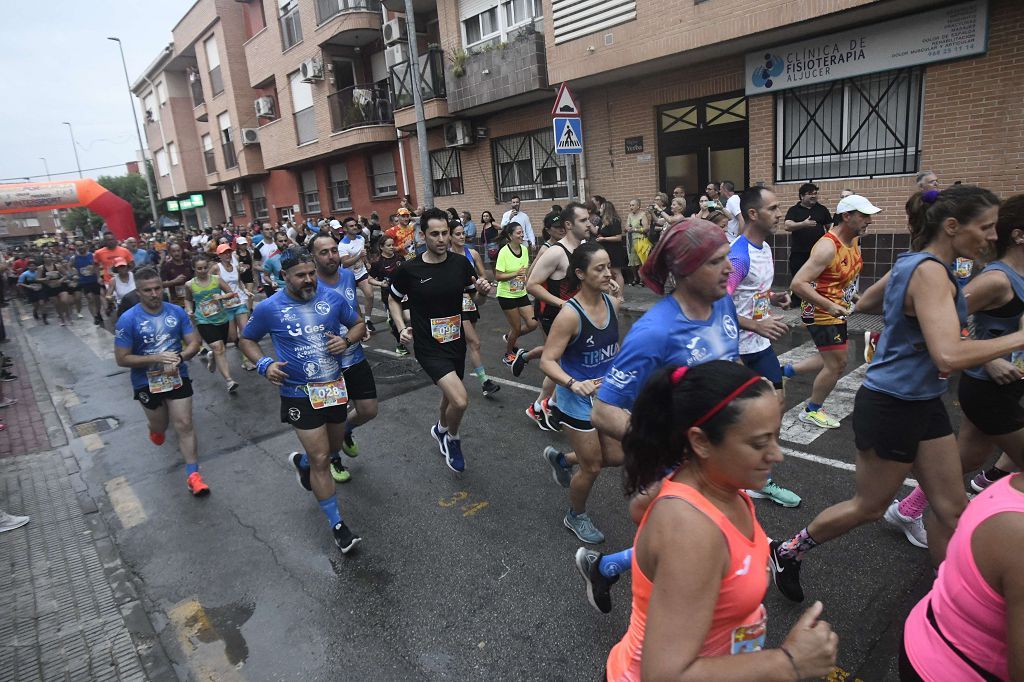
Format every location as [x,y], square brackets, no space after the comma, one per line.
[489,78]
[432,90]
[360,105]
[327,9]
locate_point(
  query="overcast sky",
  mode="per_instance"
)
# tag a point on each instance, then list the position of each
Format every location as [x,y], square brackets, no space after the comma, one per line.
[58,65]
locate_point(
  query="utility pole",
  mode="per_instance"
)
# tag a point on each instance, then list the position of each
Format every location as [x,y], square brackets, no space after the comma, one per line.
[142,149]
[46,168]
[427,197]
[74,148]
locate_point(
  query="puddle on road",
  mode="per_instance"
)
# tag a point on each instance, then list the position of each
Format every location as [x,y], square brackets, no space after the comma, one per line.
[372,577]
[202,630]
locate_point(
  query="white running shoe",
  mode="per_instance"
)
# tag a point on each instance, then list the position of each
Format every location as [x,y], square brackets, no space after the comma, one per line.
[912,528]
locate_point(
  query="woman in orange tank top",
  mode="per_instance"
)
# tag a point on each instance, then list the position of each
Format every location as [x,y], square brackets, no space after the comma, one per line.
[700,569]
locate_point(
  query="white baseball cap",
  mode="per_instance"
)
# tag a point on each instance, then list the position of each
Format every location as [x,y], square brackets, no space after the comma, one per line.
[335,224]
[856,202]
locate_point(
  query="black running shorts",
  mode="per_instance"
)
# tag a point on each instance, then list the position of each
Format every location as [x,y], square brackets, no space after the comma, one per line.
[994,409]
[359,381]
[437,366]
[894,427]
[211,333]
[154,401]
[828,336]
[299,413]
[513,303]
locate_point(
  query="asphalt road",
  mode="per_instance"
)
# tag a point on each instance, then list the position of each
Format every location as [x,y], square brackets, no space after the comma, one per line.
[457,578]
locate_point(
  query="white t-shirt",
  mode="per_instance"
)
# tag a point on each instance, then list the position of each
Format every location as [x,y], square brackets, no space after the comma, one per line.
[350,246]
[750,283]
[733,206]
[523,220]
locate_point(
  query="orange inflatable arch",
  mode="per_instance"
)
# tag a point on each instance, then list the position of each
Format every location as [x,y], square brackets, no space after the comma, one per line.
[44,196]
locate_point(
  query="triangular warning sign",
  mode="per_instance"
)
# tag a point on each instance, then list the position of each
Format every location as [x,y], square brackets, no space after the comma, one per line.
[568,140]
[565,103]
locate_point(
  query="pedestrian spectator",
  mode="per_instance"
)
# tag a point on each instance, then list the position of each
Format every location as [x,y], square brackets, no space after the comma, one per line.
[689,206]
[727,192]
[489,232]
[610,236]
[718,217]
[638,222]
[515,213]
[470,227]
[927,180]
[807,221]
[660,213]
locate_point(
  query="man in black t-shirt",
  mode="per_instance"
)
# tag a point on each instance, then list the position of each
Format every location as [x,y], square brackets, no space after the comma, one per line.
[807,221]
[435,281]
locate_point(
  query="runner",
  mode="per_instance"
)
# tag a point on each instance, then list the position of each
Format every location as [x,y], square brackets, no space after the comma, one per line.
[88,281]
[245,259]
[175,271]
[362,390]
[305,323]
[898,413]
[471,313]
[109,253]
[693,325]
[272,277]
[381,272]
[403,234]
[827,285]
[204,295]
[155,339]
[122,284]
[510,271]
[552,282]
[699,569]
[236,306]
[434,282]
[53,276]
[583,342]
[28,282]
[750,283]
[353,257]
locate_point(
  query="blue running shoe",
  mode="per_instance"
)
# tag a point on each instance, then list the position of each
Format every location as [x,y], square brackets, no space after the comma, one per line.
[453,455]
[440,438]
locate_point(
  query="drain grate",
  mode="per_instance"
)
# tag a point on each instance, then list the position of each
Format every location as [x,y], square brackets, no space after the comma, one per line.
[95,426]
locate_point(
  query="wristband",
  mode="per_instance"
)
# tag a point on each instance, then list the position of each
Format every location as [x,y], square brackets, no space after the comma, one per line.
[264,363]
[570,383]
[792,661]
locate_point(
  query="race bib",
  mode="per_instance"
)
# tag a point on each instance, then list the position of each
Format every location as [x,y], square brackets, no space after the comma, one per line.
[1018,359]
[86,271]
[762,305]
[209,307]
[232,301]
[468,304]
[179,292]
[963,267]
[746,639]
[517,285]
[163,383]
[806,310]
[327,394]
[850,292]
[446,329]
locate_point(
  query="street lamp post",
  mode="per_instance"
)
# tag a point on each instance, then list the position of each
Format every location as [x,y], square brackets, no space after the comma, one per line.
[138,134]
[74,148]
[46,168]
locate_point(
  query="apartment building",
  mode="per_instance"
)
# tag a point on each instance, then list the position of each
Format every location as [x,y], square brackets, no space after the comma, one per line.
[859,94]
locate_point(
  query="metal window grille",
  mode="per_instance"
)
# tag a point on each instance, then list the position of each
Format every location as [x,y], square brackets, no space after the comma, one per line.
[865,126]
[526,165]
[446,172]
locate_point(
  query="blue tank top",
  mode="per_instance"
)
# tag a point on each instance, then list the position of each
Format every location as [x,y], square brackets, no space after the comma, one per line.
[988,326]
[902,366]
[85,268]
[590,353]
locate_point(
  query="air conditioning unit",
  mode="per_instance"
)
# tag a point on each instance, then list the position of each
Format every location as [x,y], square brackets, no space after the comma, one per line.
[458,134]
[395,32]
[396,54]
[250,136]
[265,107]
[236,187]
[312,70]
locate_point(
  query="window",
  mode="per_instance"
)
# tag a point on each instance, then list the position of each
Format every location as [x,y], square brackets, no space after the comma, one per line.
[195,84]
[310,193]
[291,29]
[213,63]
[868,125]
[382,175]
[571,22]
[237,203]
[259,201]
[341,197]
[227,140]
[446,172]
[528,166]
[481,27]
[172,151]
[211,162]
[161,163]
[161,93]
[302,107]
[522,11]
[149,109]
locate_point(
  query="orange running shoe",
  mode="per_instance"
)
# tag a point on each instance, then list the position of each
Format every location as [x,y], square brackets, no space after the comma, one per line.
[196,485]
[870,345]
[157,438]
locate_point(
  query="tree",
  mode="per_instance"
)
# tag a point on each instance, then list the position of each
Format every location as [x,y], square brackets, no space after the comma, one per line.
[131,188]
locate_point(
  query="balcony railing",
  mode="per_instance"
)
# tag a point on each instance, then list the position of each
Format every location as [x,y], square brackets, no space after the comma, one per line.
[431,78]
[211,162]
[196,85]
[360,105]
[291,29]
[325,9]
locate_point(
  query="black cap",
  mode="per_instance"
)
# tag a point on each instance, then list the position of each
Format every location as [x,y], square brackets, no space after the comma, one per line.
[294,255]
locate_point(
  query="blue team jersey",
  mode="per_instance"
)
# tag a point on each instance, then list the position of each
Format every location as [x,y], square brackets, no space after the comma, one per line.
[346,286]
[299,331]
[665,336]
[143,333]
[272,266]
[85,267]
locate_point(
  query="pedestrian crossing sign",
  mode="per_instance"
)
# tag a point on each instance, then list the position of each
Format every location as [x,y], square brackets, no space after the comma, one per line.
[568,135]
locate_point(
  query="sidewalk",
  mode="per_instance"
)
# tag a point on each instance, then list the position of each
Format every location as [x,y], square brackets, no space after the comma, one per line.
[65,600]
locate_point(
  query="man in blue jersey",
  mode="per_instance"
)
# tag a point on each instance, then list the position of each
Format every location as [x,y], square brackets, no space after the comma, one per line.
[82,264]
[155,339]
[311,327]
[362,390]
[272,264]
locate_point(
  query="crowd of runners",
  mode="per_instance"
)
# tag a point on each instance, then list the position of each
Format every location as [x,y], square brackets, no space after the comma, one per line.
[689,403]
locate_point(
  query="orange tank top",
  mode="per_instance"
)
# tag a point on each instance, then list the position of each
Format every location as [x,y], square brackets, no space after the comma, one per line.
[738,624]
[837,282]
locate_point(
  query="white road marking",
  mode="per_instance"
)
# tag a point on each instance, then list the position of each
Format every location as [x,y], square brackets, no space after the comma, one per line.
[516,384]
[834,463]
[839,405]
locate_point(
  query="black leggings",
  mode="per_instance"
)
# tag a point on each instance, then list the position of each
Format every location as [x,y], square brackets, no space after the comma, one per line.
[385,295]
[907,671]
